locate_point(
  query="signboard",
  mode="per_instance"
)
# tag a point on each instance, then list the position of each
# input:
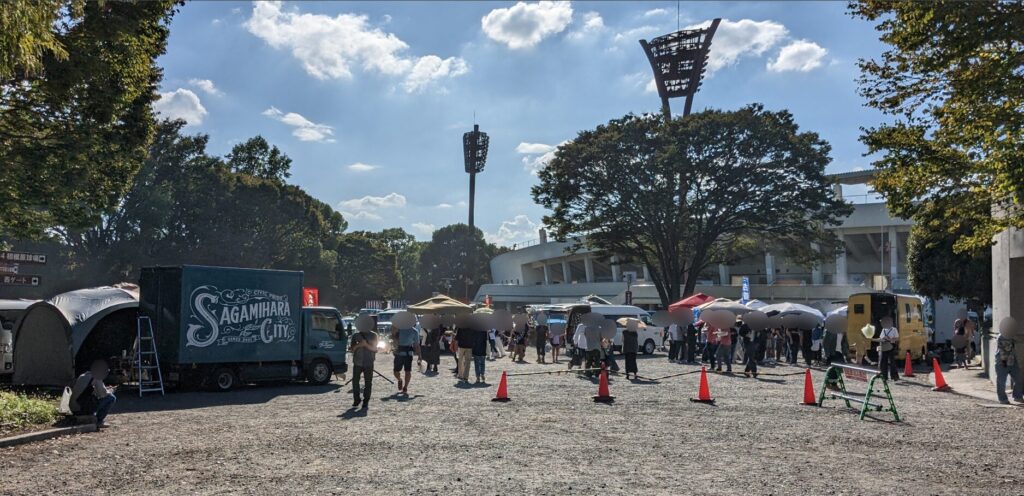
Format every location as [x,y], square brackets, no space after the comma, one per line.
[745,297]
[629,277]
[19,280]
[22,257]
[310,297]
[629,297]
[8,268]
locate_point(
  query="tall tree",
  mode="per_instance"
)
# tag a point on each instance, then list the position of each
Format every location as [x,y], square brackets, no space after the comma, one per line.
[407,251]
[256,157]
[705,189]
[952,80]
[76,83]
[457,255]
[366,270]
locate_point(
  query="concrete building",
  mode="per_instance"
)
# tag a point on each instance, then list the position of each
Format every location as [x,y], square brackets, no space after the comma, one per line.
[547,271]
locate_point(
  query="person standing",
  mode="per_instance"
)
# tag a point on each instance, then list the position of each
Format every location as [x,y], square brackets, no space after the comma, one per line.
[364,353]
[794,345]
[750,351]
[430,349]
[630,347]
[540,340]
[692,335]
[464,338]
[408,339]
[90,396]
[480,353]
[711,335]
[887,350]
[492,340]
[579,346]
[724,351]
[675,343]
[592,335]
[557,334]
[1007,364]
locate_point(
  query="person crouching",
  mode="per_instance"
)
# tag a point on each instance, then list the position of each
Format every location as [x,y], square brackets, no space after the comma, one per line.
[90,396]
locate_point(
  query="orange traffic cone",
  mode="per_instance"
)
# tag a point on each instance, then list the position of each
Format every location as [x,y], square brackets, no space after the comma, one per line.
[908,368]
[809,398]
[704,393]
[603,395]
[502,395]
[940,382]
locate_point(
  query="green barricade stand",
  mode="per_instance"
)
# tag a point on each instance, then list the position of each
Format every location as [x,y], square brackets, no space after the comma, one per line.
[834,387]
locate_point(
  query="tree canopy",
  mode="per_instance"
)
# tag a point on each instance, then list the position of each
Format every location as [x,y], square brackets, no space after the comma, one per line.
[76,83]
[457,255]
[952,80]
[705,189]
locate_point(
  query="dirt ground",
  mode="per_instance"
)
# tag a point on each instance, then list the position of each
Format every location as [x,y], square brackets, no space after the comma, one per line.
[550,439]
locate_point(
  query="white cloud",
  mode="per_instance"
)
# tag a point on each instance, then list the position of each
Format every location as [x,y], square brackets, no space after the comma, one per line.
[656,13]
[524,25]
[537,155]
[181,104]
[216,22]
[533,148]
[635,34]
[517,230]
[423,229]
[651,86]
[461,203]
[801,55]
[735,39]
[443,205]
[390,200]
[593,24]
[207,86]
[305,129]
[363,215]
[329,47]
[361,167]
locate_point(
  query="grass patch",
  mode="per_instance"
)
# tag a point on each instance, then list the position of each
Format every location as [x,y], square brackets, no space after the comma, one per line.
[21,411]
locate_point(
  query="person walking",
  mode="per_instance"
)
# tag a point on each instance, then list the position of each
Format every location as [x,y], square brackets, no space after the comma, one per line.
[675,343]
[631,346]
[540,340]
[408,339]
[492,340]
[579,346]
[364,353]
[1007,364]
[464,338]
[887,350]
[557,335]
[692,335]
[750,351]
[430,349]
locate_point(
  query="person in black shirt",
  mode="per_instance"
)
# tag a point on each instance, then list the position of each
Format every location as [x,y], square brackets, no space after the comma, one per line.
[630,346]
[692,333]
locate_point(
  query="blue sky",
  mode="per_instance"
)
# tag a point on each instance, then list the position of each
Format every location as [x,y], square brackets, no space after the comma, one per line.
[371,99]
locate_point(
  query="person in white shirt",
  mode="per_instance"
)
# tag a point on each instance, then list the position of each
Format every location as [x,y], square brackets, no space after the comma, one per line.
[888,350]
[89,396]
[579,344]
[675,344]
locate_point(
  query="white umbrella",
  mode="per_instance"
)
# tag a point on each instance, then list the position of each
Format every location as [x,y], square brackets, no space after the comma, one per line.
[784,309]
[839,311]
[725,304]
[756,304]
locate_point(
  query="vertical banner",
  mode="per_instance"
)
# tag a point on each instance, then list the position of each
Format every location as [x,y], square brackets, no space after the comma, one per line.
[746,290]
[310,297]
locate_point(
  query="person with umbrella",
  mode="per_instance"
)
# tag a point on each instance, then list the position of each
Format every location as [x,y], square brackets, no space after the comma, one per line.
[430,346]
[692,335]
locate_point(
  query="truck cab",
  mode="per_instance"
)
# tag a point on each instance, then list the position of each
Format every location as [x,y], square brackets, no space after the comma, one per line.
[325,343]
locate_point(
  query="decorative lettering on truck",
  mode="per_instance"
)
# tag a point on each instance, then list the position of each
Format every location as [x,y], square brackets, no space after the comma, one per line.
[238,316]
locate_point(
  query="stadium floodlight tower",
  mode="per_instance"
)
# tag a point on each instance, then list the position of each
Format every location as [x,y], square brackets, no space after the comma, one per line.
[679,60]
[474,148]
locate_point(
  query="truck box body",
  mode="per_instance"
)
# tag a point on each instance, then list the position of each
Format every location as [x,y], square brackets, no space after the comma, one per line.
[216,314]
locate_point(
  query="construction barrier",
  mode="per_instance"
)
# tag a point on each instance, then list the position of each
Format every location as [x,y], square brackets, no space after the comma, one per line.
[835,388]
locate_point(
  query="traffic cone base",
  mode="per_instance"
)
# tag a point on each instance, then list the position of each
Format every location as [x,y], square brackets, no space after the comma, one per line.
[502,395]
[809,398]
[704,392]
[603,394]
[940,382]
[908,368]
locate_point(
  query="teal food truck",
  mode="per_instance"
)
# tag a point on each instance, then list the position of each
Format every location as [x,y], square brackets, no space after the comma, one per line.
[219,327]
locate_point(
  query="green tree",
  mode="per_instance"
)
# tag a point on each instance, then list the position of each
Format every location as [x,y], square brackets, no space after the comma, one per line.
[705,189]
[257,158]
[76,83]
[366,270]
[457,255]
[407,251]
[951,80]
[937,270]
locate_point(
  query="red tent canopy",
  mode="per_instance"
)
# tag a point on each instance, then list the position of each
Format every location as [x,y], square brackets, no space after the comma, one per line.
[690,301]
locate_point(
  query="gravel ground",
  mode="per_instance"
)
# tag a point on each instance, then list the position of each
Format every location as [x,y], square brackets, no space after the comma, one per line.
[550,439]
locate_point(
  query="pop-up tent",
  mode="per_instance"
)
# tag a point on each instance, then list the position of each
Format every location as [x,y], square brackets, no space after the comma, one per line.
[440,304]
[63,335]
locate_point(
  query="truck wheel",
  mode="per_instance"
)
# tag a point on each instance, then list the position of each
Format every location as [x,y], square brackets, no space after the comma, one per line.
[649,347]
[320,372]
[223,379]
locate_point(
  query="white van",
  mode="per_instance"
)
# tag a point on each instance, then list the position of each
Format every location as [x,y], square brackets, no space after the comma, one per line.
[649,338]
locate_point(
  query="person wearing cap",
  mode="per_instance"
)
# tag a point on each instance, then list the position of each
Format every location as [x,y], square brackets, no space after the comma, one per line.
[887,350]
[1007,364]
[90,396]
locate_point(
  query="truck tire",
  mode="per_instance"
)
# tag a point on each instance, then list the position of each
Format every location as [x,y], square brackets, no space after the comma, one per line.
[649,347]
[319,372]
[223,379]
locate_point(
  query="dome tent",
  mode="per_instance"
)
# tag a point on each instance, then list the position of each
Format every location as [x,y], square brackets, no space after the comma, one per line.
[60,336]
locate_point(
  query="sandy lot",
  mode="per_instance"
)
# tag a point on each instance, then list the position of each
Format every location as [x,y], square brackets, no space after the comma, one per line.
[550,439]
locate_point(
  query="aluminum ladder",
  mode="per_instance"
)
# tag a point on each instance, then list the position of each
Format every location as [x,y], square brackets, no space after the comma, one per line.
[147,362]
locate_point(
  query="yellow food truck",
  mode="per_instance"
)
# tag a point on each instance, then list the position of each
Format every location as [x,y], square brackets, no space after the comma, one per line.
[870,308]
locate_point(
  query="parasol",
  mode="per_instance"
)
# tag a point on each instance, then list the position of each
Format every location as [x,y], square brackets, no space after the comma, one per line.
[735,307]
[691,301]
[440,304]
